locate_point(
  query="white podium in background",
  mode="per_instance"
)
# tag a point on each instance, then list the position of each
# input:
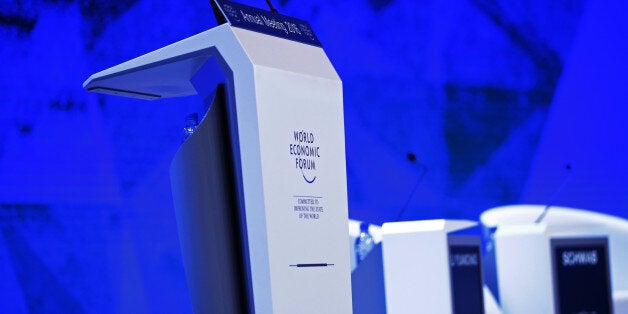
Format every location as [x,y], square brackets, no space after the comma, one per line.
[523,253]
[419,260]
[270,163]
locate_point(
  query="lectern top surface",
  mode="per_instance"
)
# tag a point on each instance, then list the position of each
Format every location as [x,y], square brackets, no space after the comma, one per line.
[166,72]
[444,225]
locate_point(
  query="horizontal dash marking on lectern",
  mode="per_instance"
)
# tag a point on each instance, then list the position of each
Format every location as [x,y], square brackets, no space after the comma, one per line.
[308,196]
[121,92]
[312,265]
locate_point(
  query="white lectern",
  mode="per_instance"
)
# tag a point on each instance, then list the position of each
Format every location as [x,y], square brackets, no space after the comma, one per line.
[281,182]
[429,269]
[569,262]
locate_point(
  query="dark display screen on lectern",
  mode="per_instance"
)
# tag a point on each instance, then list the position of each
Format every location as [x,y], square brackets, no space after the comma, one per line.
[466,275]
[581,275]
[267,22]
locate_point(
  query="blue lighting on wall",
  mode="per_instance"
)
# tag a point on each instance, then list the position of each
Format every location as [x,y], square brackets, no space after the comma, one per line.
[451,108]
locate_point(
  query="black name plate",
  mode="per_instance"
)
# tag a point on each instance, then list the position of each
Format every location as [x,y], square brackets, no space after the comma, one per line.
[267,22]
[465,267]
[581,275]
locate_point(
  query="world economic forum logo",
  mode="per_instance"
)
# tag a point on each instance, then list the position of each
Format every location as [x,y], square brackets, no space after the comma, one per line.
[305,153]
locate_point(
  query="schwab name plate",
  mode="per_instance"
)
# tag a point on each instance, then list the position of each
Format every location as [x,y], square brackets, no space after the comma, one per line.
[581,275]
[267,22]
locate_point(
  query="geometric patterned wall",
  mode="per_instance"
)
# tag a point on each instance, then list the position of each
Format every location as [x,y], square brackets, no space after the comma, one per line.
[445,104]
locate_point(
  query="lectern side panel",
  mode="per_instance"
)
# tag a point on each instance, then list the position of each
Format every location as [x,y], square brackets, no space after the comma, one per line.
[204,198]
[416,272]
[524,270]
[301,132]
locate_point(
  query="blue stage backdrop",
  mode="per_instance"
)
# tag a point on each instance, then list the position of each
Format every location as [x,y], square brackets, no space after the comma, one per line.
[451,107]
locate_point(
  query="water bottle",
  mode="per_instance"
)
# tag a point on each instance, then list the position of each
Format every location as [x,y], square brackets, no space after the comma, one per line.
[191,123]
[364,243]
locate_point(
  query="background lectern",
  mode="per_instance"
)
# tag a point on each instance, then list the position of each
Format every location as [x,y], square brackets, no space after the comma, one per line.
[430,268]
[533,274]
[260,188]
